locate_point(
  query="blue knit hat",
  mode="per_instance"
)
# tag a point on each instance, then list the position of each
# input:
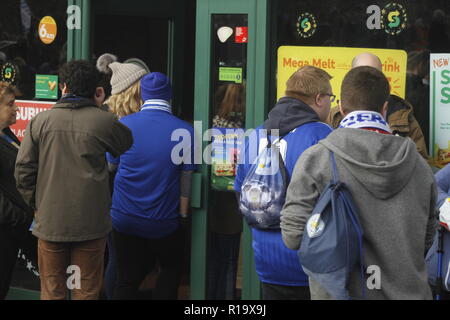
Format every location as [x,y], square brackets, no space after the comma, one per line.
[156,85]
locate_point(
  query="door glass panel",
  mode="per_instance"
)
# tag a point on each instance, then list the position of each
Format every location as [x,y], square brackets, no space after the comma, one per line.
[418,28]
[115,34]
[229,38]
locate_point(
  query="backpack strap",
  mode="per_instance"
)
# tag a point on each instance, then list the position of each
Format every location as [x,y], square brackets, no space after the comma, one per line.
[355,221]
[335,178]
[281,164]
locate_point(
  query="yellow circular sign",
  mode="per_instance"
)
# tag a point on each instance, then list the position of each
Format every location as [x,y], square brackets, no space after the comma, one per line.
[47,30]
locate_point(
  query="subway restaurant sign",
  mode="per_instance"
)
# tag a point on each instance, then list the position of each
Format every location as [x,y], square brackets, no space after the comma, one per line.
[337,62]
[440,108]
[27,110]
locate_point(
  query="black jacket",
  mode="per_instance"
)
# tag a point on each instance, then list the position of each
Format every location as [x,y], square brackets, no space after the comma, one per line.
[13,209]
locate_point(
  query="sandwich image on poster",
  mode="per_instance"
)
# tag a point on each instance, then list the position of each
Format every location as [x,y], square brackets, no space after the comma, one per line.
[46,86]
[224,156]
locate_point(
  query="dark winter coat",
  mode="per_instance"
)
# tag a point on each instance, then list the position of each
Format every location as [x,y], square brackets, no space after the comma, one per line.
[13,209]
[61,169]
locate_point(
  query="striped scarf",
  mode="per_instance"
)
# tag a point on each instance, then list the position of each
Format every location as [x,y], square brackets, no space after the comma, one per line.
[155,104]
[368,120]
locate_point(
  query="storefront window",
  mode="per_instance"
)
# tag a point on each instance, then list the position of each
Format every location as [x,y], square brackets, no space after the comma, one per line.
[417,28]
[360,24]
[33,36]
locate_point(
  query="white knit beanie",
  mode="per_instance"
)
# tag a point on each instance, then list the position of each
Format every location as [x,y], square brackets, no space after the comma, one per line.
[124,75]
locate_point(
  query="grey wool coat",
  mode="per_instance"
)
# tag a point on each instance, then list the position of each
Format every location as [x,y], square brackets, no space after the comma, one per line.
[395,192]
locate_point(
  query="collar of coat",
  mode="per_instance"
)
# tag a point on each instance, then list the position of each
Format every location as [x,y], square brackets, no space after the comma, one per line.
[8,132]
[74,102]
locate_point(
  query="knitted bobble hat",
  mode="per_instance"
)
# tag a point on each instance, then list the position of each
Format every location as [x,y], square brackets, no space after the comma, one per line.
[104,61]
[124,75]
[156,85]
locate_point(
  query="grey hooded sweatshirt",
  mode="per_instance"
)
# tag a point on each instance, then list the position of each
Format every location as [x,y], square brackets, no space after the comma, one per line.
[395,192]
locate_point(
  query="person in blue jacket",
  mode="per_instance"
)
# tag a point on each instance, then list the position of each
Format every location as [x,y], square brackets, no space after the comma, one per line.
[443,184]
[151,194]
[299,118]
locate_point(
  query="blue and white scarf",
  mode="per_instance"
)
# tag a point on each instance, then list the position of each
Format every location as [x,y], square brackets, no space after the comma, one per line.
[156,104]
[364,119]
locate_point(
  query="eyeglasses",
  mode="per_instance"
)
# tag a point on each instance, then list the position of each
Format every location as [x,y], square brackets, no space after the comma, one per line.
[332,96]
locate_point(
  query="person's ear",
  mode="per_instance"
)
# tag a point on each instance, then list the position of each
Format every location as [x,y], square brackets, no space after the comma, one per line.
[318,99]
[99,96]
[384,110]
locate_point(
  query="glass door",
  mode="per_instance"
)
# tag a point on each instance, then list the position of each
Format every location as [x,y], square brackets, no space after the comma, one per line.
[231,42]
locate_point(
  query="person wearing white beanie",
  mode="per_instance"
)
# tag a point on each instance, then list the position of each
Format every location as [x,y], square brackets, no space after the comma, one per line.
[121,82]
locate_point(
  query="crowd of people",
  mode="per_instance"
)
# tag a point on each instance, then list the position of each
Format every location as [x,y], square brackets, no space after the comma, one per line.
[381,156]
[96,171]
[60,178]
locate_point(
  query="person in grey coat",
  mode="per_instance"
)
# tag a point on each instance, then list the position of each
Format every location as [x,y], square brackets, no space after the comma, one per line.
[392,185]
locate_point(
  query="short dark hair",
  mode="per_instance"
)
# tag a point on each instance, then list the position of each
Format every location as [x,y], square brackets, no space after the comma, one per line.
[81,77]
[364,88]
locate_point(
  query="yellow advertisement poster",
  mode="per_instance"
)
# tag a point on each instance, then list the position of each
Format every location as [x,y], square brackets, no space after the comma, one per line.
[337,61]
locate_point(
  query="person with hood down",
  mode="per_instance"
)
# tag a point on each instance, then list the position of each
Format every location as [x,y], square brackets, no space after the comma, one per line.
[298,117]
[400,114]
[392,186]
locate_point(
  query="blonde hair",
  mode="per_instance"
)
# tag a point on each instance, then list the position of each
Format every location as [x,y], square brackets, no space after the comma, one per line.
[307,82]
[126,102]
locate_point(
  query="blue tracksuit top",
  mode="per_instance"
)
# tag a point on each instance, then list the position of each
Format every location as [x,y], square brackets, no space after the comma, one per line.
[146,195]
[275,263]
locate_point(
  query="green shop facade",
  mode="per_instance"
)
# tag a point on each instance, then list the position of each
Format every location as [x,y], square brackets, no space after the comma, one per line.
[205,44]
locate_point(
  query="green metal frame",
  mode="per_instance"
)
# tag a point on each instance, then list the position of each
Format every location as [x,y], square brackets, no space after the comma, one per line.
[256,110]
[78,41]
[22,294]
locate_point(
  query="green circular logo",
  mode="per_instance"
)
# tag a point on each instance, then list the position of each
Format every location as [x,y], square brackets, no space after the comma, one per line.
[393,18]
[306,25]
[8,73]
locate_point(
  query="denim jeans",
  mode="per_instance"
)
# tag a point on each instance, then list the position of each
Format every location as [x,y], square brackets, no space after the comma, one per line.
[222,268]
[55,258]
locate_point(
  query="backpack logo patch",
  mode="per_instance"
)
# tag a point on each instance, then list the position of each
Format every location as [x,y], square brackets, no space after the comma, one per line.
[315,226]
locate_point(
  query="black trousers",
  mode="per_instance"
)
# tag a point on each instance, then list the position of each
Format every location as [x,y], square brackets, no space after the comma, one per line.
[278,292]
[9,248]
[137,256]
